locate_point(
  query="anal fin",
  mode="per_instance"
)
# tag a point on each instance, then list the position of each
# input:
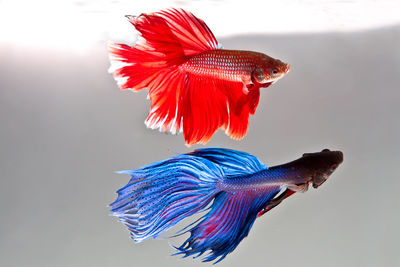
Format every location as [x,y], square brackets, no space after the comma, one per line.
[276,201]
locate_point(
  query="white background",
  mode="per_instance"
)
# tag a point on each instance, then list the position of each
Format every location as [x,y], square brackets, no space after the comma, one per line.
[65,129]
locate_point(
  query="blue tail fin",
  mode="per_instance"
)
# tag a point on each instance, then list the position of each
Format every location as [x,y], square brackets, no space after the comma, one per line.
[160,195]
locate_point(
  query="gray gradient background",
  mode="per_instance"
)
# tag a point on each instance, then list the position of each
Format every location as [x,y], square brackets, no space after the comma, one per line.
[65,129]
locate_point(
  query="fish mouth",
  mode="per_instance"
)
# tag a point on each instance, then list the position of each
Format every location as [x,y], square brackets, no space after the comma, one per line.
[274,79]
[319,179]
[322,165]
[339,156]
[286,68]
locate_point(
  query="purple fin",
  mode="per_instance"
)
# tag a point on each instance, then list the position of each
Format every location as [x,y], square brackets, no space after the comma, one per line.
[229,221]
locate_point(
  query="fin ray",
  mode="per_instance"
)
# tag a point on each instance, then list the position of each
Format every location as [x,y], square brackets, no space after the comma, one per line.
[210,104]
[229,221]
[160,195]
[193,33]
[233,162]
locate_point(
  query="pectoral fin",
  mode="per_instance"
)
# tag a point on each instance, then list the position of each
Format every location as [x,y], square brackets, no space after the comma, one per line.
[276,201]
[299,187]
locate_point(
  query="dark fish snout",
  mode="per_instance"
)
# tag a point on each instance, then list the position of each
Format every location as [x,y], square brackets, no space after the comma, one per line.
[339,156]
[331,159]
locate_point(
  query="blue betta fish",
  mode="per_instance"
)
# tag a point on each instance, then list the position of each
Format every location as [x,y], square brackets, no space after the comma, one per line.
[231,187]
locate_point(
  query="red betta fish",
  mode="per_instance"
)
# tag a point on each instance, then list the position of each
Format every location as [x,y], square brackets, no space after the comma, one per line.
[194,86]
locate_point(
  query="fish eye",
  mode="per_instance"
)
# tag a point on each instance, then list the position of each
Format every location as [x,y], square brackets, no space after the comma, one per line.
[274,72]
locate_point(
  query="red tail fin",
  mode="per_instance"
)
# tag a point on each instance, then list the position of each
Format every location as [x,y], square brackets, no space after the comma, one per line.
[166,39]
[156,50]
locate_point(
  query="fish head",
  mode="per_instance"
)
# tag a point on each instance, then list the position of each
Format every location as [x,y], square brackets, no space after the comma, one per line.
[321,165]
[268,71]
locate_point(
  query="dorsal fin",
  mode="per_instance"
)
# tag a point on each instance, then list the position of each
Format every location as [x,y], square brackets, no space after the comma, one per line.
[233,163]
[193,34]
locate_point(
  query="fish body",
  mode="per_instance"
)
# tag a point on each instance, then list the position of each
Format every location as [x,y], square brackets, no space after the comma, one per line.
[194,86]
[233,187]
[236,66]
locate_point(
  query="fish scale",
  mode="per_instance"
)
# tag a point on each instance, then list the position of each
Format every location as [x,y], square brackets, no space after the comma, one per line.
[231,65]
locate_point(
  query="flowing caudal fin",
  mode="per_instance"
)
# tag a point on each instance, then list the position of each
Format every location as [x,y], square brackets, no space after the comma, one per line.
[156,51]
[162,194]
[166,39]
